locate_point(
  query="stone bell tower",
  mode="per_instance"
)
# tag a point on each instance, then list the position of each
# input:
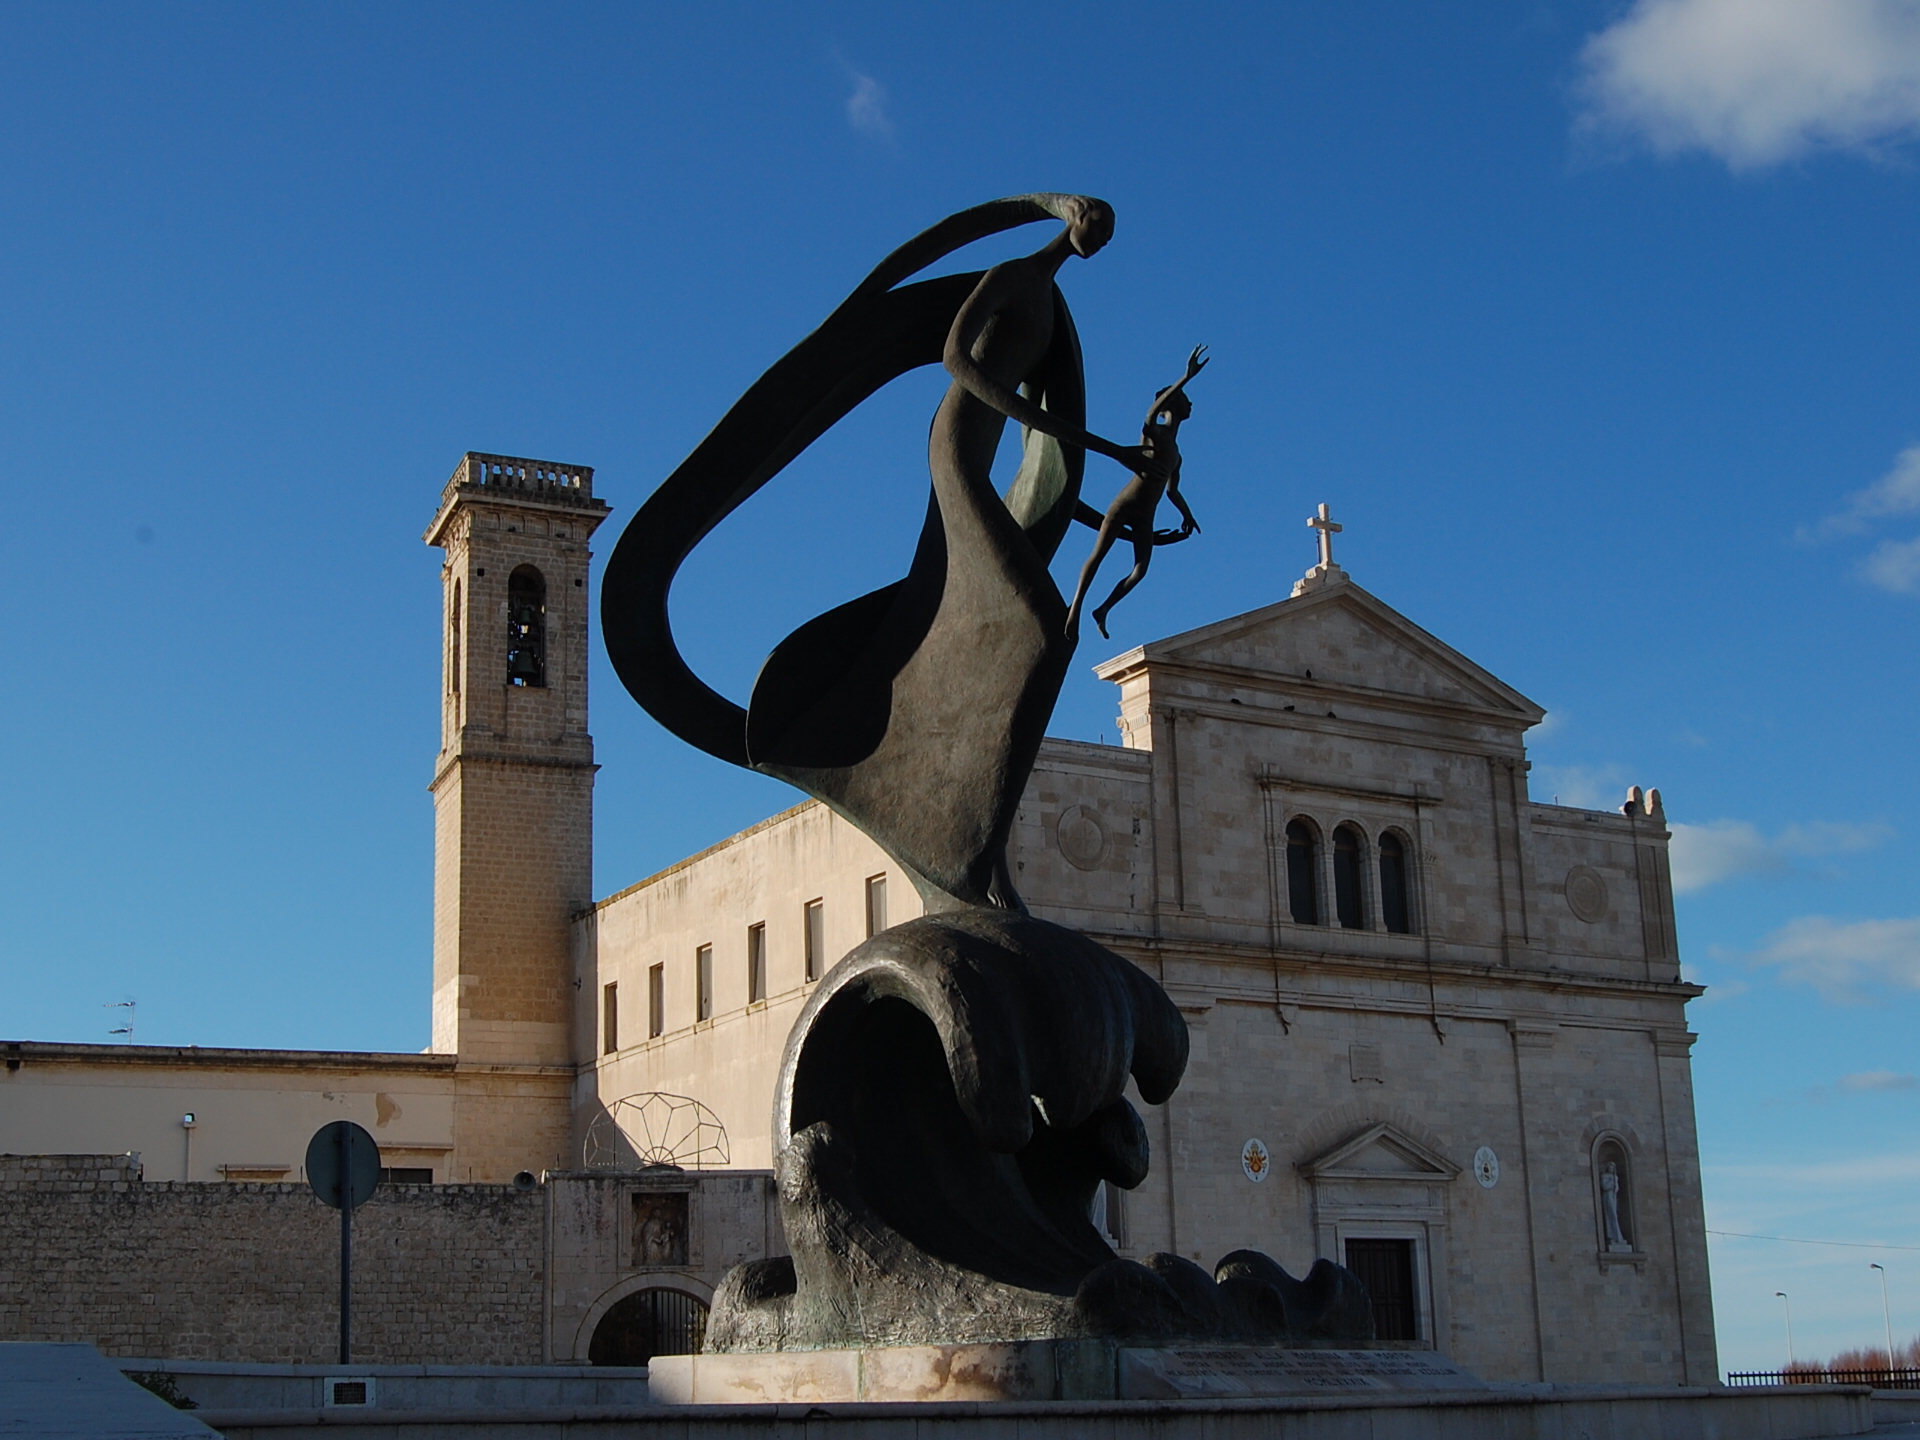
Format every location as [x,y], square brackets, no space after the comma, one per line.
[513,785]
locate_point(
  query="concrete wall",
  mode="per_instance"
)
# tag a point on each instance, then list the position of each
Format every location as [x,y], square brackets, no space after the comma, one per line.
[254,1110]
[765,875]
[731,1216]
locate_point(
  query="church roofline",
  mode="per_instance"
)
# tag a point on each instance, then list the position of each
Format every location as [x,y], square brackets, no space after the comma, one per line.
[1171,652]
[699,855]
[221,1058]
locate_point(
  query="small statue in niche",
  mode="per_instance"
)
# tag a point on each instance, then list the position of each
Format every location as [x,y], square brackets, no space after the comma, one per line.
[659,1229]
[1132,513]
[1617,1242]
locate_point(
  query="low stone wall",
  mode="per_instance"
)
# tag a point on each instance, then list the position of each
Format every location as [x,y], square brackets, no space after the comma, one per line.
[442,1274]
[1671,1414]
[233,1387]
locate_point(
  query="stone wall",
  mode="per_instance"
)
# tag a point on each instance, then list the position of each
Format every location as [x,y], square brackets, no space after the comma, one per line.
[442,1274]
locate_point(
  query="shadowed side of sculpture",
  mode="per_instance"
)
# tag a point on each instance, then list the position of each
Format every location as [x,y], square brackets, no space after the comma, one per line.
[940,684]
[954,1091]
[950,1099]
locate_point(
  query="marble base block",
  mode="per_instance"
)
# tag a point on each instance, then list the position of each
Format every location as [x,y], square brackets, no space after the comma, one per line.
[1043,1370]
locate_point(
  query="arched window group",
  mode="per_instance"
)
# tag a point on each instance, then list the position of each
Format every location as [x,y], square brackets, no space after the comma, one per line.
[526,627]
[1353,899]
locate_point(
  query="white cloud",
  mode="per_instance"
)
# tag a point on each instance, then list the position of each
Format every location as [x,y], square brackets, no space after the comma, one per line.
[1822,1175]
[1895,566]
[1863,1082]
[1845,960]
[1895,493]
[1703,855]
[1879,1080]
[1585,787]
[867,106]
[1756,82]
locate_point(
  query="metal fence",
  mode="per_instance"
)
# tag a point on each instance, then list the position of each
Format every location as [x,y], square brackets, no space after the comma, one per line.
[1901,1379]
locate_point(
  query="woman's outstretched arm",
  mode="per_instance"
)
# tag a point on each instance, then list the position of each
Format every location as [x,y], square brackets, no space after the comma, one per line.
[968,326]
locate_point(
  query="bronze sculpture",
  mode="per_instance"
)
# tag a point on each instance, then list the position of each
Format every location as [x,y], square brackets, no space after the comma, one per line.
[953,1092]
[1132,513]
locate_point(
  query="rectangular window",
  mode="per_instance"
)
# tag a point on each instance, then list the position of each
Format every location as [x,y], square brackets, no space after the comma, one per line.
[609,1019]
[656,1002]
[816,938]
[756,962]
[703,969]
[406,1175]
[1386,1267]
[876,904]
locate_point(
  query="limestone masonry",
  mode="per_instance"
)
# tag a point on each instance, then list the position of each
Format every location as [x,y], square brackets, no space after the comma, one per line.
[1427,1015]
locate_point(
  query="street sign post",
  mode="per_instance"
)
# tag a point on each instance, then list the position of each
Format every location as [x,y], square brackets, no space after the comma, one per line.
[343,1167]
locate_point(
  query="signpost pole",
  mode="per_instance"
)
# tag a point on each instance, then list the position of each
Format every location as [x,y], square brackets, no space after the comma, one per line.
[343,1167]
[346,1249]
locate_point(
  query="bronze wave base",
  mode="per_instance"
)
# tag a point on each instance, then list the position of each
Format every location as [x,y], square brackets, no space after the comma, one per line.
[949,1101]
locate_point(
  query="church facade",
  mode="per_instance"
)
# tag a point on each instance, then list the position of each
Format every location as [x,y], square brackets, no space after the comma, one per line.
[1439,1030]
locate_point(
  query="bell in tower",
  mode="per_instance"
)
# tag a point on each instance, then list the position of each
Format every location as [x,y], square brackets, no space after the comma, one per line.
[526,627]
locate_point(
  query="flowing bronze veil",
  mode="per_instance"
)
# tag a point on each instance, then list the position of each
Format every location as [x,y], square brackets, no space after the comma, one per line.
[977,666]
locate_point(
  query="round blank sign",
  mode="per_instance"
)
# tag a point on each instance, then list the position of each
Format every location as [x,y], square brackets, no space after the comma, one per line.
[324,1170]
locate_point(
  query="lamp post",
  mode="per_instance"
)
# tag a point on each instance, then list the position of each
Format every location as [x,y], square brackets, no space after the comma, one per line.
[1783,1295]
[1886,1311]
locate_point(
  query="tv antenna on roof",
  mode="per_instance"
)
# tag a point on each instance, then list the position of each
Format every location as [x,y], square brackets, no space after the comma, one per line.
[126,1029]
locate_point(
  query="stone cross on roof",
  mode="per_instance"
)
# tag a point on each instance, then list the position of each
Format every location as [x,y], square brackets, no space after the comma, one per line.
[1323,522]
[1326,572]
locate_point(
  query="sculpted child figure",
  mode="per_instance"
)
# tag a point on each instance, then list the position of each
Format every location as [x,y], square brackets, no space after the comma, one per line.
[1132,513]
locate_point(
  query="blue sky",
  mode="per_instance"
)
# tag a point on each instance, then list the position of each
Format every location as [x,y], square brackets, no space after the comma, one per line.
[1594,322]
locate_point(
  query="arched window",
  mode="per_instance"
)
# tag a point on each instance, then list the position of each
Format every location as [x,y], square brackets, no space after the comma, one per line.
[648,1323]
[1614,1219]
[1302,888]
[453,644]
[1394,909]
[526,627]
[1347,847]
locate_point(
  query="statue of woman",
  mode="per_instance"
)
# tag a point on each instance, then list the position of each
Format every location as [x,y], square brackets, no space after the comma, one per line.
[1610,1207]
[998,339]
[917,710]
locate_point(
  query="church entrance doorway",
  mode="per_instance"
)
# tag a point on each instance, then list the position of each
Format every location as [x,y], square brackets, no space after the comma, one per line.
[1386,1267]
[648,1323]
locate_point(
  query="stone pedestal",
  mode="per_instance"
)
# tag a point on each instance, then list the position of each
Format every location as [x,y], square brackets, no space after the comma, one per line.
[1044,1370]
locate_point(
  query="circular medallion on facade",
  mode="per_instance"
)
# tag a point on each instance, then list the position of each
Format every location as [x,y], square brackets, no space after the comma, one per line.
[1586,893]
[1486,1168]
[1081,837]
[1255,1160]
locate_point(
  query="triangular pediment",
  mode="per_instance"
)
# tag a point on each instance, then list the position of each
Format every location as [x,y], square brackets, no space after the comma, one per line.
[1338,636]
[1380,1152]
